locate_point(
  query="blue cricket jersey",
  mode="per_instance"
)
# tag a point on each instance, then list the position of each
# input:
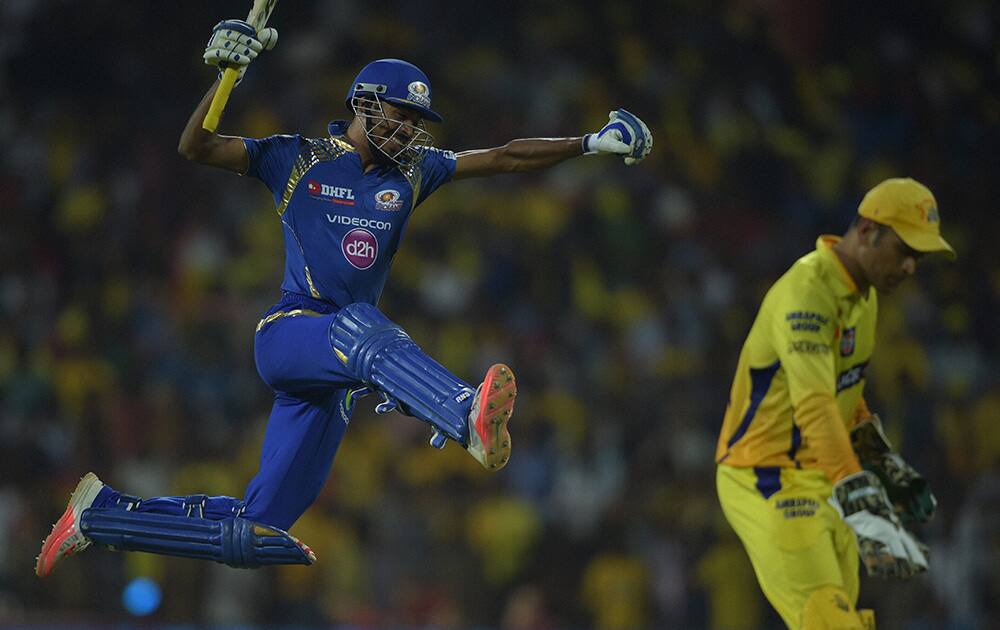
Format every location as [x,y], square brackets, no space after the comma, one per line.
[342,226]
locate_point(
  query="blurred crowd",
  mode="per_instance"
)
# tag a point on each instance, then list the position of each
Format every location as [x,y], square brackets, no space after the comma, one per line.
[131,282]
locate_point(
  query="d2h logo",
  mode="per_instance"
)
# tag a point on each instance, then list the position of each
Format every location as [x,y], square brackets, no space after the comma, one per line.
[360,248]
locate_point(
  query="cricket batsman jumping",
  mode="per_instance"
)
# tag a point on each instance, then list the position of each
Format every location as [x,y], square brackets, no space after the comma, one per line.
[343,201]
[805,474]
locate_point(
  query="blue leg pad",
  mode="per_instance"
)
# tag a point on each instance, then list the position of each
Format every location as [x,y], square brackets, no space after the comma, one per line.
[236,541]
[380,353]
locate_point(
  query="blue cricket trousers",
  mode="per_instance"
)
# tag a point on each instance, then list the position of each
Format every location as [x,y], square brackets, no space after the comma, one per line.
[311,410]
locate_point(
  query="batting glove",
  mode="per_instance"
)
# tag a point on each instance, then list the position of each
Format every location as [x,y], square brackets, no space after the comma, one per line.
[886,548]
[235,43]
[624,135]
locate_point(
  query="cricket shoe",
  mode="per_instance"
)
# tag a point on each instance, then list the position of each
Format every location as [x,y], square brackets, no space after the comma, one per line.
[66,538]
[489,440]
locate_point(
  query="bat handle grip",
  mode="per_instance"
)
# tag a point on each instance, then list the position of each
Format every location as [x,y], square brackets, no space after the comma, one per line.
[219,100]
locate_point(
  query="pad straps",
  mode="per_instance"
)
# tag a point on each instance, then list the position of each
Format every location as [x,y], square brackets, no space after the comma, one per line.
[380,353]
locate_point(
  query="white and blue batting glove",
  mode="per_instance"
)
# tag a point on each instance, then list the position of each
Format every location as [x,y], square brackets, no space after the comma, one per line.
[235,43]
[624,135]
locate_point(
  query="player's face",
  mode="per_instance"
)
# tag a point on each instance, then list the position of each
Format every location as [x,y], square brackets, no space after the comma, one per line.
[887,261]
[399,126]
[395,134]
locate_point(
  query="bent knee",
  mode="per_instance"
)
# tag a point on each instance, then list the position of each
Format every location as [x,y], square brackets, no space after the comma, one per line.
[358,333]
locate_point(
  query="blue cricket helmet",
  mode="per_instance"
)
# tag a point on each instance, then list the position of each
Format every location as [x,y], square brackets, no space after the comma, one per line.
[397,82]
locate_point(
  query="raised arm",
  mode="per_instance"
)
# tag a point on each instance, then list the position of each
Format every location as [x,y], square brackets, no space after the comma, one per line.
[208,147]
[236,43]
[625,134]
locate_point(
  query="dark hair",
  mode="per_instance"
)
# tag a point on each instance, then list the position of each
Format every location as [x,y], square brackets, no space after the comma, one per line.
[878,234]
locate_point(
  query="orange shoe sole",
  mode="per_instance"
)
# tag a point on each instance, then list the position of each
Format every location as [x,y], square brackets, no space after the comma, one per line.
[496,406]
[65,538]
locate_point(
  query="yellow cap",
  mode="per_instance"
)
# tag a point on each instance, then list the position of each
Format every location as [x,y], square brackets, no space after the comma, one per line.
[909,208]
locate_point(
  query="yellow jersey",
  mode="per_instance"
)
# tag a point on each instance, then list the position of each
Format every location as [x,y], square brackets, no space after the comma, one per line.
[799,381]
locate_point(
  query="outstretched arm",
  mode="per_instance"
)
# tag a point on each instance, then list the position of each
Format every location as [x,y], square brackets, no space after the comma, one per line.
[517,156]
[625,134]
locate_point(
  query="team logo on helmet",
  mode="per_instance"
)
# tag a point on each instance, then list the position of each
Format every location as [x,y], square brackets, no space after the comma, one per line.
[388,199]
[419,93]
[360,248]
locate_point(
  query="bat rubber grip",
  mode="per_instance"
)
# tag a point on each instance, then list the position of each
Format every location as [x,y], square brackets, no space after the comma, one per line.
[219,100]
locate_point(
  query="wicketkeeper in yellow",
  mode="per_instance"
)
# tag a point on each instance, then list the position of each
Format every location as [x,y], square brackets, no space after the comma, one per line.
[805,474]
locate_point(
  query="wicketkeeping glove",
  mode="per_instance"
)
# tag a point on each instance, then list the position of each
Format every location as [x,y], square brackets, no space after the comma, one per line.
[886,548]
[624,135]
[907,489]
[236,43]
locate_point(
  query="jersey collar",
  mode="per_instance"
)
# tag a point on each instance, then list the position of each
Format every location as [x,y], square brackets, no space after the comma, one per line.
[338,129]
[843,283]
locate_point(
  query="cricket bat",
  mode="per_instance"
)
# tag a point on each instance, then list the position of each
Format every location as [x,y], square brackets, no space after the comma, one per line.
[259,14]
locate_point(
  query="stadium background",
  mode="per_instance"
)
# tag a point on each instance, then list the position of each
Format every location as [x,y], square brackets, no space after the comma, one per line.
[131,282]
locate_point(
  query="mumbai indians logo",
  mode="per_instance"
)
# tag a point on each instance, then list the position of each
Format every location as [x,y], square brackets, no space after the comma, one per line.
[360,248]
[419,93]
[388,199]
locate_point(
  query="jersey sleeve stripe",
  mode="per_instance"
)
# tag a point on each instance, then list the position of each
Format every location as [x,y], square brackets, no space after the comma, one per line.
[760,379]
[796,441]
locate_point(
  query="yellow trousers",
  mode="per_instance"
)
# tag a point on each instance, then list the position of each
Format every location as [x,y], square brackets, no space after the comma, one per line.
[805,556]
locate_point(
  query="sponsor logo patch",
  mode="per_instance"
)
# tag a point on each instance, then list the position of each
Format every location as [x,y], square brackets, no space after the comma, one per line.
[808,347]
[797,507]
[333,194]
[388,199]
[847,342]
[360,248]
[373,224]
[807,316]
[806,320]
[851,376]
[463,396]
